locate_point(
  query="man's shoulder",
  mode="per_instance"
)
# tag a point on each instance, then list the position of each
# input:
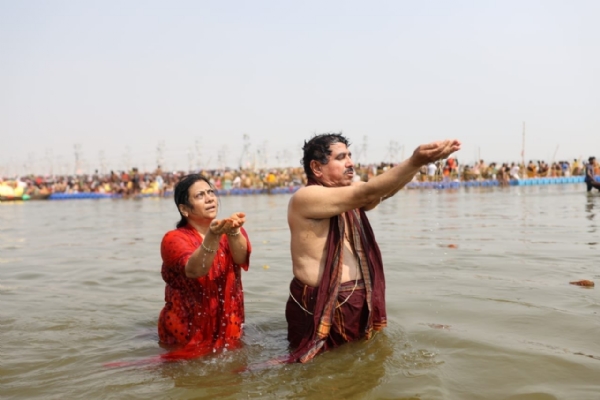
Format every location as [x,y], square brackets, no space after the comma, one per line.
[305,192]
[310,188]
[308,195]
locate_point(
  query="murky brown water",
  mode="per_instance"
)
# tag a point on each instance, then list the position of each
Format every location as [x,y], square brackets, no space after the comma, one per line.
[479,301]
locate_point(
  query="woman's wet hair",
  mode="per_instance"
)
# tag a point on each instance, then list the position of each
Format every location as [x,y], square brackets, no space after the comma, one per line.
[317,148]
[182,193]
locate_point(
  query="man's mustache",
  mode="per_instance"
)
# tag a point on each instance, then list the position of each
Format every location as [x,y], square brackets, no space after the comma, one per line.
[349,170]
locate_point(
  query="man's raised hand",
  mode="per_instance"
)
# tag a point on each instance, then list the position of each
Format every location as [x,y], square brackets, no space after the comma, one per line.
[432,152]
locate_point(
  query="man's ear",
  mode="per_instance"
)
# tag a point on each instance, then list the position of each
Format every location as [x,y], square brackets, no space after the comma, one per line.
[316,166]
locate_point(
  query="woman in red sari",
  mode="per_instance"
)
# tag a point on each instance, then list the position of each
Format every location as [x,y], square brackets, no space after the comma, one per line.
[202,263]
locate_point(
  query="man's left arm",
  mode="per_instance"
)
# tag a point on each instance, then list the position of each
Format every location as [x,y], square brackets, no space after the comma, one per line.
[422,155]
[400,185]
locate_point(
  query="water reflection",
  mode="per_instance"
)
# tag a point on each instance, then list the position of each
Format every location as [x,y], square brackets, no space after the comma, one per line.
[589,206]
[333,374]
[206,374]
[591,213]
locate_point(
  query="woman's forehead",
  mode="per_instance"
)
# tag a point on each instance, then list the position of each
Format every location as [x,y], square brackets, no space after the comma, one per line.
[199,185]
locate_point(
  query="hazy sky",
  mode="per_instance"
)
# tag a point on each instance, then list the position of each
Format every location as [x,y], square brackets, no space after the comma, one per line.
[123,78]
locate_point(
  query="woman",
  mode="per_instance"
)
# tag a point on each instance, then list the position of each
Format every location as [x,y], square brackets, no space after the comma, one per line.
[202,263]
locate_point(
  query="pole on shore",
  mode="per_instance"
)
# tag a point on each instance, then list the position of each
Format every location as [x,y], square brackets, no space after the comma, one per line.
[245,150]
[523,146]
[77,148]
[555,151]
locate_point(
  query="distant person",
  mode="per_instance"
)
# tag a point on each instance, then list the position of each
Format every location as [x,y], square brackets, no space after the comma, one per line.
[431,170]
[453,165]
[566,168]
[514,171]
[136,182]
[590,179]
[202,263]
[338,291]
[576,167]
[543,169]
[237,182]
[160,185]
[531,169]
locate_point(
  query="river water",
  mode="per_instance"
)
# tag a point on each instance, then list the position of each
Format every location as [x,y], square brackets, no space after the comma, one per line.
[478,299]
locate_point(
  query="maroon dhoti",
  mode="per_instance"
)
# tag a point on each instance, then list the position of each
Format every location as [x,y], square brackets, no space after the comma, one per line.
[321,319]
[349,321]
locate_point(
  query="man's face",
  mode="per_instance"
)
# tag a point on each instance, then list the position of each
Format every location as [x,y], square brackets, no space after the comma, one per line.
[339,171]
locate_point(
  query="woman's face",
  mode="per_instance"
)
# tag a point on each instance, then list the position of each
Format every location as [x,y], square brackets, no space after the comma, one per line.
[203,202]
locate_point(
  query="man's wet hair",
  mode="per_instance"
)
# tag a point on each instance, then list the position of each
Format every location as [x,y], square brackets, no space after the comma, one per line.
[182,193]
[317,148]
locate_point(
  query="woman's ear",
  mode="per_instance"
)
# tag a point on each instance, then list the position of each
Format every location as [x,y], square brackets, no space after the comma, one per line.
[183,210]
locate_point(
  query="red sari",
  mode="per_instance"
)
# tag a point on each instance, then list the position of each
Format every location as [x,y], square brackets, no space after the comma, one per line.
[202,314]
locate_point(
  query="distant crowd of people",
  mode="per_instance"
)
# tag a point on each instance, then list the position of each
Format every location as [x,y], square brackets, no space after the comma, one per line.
[136,182]
[158,182]
[451,170]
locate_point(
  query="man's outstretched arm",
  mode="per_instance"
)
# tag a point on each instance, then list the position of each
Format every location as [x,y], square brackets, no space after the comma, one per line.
[319,202]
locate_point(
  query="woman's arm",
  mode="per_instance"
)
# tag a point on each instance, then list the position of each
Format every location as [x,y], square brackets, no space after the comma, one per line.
[238,244]
[201,260]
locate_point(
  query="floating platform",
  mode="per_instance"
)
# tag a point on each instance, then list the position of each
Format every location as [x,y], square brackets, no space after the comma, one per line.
[489,183]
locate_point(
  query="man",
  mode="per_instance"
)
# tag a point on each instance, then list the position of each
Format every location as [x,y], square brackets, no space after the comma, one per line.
[590,179]
[337,294]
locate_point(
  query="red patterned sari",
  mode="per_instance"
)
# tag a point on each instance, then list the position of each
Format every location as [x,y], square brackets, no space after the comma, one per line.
[200,314]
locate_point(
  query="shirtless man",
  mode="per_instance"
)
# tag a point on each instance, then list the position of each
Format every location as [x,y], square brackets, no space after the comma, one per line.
[337,294]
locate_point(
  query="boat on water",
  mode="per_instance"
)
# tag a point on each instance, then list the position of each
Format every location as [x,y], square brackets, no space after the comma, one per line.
[24,197]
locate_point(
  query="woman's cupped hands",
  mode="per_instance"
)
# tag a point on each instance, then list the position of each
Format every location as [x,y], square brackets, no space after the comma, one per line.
[229,225]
